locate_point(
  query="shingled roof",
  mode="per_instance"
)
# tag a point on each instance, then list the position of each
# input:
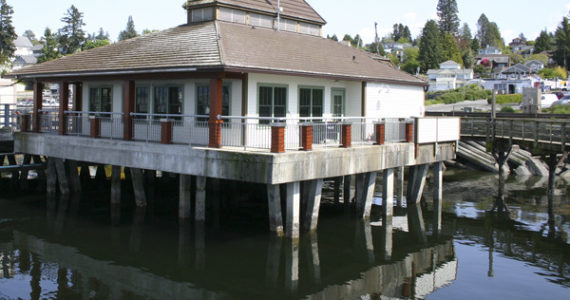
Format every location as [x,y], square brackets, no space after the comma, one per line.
[297,9]
[228,46]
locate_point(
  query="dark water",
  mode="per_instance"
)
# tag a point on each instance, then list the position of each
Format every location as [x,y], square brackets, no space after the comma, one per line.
[68,249]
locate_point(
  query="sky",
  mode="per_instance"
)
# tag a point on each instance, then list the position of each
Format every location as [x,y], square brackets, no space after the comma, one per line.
[343,17]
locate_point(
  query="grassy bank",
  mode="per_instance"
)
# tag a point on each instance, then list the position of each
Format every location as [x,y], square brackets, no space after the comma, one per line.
[472,92]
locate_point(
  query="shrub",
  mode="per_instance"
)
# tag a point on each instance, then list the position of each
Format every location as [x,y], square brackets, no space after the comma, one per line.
[504,99]
[560,109]
[507,109]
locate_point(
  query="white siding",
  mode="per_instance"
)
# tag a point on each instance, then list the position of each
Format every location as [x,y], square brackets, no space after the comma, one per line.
[394,101]
[260,20]
[311,29]
[352,96]
[231,15]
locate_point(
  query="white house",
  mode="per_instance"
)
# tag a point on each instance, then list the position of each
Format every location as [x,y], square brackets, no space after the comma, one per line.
[449,76]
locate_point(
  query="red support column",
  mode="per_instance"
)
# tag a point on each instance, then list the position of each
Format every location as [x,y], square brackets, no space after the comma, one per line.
[25,125]
[38,101]
[346,136]
[380,134]
[215,125]
[95,123]
[165,131]
[128,108]
[277,138]
[410,132]
[63,107]
[307,137]
[77,96]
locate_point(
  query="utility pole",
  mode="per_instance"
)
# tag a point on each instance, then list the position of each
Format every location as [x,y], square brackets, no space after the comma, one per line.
[278,15]
[377,39]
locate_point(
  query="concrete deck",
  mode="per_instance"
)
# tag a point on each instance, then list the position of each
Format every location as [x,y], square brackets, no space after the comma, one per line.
[233,163]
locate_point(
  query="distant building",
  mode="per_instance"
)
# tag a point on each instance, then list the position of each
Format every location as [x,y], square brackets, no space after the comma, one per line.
[498,62]
[519,46]
[490,50]
[25,54]
[396,49]
[449,76]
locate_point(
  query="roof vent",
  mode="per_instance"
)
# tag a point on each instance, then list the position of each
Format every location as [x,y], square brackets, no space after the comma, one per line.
[353,57]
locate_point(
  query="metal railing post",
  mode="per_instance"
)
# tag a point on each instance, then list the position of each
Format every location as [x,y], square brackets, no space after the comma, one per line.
[6,115]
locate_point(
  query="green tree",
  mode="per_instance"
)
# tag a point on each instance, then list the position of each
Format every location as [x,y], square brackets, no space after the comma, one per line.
[400,32]
[475,46]
[129,32]
[465,37]
[543,42]
[558,72]
[71,35]
[50,47]
[375,48]
[447,14]
[450,48]
[431,53]
[411,63]
[102,35]
[488,33]
[32,37]
[468,58]
[562,40]
[147,31]
[516,58]
[94,41]
[7,34]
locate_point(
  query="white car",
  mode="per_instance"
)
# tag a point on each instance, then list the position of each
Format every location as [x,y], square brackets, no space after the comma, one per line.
[547,99]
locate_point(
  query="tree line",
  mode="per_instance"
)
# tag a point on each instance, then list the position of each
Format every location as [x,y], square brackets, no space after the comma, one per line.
[447,39]
[69,39]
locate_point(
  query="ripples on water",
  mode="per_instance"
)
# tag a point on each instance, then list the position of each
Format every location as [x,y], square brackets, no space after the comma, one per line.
[68,249]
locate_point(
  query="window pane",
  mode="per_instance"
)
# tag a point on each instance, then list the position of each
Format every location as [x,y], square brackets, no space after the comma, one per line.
[161,100]
[142,100]
[226,101]
[94,100]
[317,109]
[203,100]
[175,99]
[280,102]
[305,102]
[106,102]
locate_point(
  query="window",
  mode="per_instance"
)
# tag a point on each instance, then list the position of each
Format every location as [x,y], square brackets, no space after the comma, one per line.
[272,102]
[311,102]
[232,15]
[288,25]
[260,20]
[338,104]
[101,99]
[202,14]
[203,100]
[168,100]
[309,29]
[142,100]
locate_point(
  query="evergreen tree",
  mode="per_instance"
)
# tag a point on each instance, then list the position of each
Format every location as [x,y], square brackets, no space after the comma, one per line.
[488,33]
[375,48]
[72,36]
[50,47]
[102,35]
[431,53]
[32,37]
[448,19]
[400,31]
[482,30]
[465,37]
[543,42]
[7,34]
[450,48]
[468,58]
[411,63]
[94,41]
[475,46]
[562,39]
[129,32]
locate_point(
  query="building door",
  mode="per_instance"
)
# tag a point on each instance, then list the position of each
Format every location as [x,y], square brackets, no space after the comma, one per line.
[338,102]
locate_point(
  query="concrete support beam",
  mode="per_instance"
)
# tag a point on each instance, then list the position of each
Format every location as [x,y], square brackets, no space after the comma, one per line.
[388,194]
[400,186]
[337,182]
[138,187]
[273,262]
[274,204]
[347,192]
[200,207]
[61,176]
[73,176]
[51,177]
[315,258]
[437,196]
[369,242]
[365,184]
[293,210]
[416,223]
[292,265]
[313,199]
[416,184]
[184,197]
[387,244]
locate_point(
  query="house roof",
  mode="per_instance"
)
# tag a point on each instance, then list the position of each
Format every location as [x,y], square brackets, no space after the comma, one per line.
[23,42]
[449,63]
[499,58]
[449,71]
[26,60]
[298,9]
[228,46]
[516,69]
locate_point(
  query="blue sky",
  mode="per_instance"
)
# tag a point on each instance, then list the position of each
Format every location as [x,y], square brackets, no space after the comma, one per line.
[356,16]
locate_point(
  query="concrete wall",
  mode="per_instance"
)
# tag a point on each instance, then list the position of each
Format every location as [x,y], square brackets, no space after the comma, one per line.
[394,101]
[353,92]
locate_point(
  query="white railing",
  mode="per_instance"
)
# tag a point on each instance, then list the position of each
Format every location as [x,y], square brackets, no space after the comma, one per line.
[186,129]
[110,123]
[49,121]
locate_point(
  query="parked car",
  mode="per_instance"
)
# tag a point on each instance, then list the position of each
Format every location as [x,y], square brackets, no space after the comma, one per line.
[564,101]
[547,100]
